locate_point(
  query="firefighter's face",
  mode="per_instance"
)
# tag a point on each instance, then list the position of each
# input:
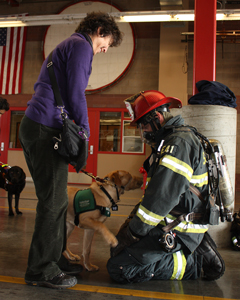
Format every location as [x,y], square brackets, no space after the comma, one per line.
[146,133]
[146,128]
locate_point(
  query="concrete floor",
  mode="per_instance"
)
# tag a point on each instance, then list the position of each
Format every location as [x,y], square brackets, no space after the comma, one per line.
[15,238]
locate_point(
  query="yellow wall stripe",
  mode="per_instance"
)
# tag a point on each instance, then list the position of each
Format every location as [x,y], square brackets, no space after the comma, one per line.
[21,208]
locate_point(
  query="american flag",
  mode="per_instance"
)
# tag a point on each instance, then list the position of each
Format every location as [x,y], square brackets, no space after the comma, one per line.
[12,46]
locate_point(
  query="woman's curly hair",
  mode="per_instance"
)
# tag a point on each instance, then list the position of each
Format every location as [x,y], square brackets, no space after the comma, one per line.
[107,24]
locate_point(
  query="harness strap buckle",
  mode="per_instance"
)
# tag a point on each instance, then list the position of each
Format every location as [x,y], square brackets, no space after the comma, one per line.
[189,217]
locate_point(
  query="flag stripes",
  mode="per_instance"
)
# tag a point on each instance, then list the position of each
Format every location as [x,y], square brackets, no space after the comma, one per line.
[11,60]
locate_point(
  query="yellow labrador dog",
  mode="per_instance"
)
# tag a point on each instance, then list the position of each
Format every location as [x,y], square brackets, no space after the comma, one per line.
[89,209]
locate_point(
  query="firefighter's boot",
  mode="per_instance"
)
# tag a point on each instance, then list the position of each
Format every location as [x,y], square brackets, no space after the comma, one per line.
[213,264]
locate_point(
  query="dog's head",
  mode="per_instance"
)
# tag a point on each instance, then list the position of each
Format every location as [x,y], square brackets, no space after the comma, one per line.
[125,180]
[16,175]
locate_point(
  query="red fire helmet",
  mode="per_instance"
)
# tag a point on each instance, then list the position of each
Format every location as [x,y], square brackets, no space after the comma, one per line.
[142,103]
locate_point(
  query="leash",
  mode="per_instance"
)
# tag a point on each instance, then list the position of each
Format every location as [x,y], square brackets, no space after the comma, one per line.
[97,178]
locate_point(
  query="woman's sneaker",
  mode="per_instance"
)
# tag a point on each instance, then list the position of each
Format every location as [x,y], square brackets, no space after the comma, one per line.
[61,281]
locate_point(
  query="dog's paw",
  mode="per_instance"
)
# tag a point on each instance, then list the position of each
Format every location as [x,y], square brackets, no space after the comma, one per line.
[70,256]
[18,212]
[111,239]
[114,242]
[11,214]
[91,268]
[74,257]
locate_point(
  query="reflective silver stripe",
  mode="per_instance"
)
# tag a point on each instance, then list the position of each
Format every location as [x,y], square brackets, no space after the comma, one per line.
[234,240]
[187,226]
[179,261]
[199,180]
[177,166]
[148,217]
[180,264]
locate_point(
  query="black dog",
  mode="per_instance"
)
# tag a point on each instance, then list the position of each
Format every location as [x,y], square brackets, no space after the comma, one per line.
[13,180]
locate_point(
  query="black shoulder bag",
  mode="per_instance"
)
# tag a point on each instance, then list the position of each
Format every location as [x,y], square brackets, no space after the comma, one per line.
[72,143]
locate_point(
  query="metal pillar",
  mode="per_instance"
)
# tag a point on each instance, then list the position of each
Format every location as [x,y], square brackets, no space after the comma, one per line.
[204,53]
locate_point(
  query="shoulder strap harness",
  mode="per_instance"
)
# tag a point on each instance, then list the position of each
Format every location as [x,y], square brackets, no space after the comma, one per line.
[213,176]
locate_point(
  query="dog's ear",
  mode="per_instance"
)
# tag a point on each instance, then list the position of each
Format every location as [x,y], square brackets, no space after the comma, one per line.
[135,183]
[130,182]
[9,174]
[114,177]
[23,176]
[125,178]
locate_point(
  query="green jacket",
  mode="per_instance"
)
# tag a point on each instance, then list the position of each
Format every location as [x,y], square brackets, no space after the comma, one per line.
[180,161]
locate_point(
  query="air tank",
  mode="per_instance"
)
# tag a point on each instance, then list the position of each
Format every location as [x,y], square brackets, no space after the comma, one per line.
[225,184]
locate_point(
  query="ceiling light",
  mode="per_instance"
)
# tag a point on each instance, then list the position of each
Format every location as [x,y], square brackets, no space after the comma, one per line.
[146,18]
[11,24]
[228,16]
[158,18]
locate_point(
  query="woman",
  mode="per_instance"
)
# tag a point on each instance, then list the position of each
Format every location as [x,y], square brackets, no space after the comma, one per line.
[72,60]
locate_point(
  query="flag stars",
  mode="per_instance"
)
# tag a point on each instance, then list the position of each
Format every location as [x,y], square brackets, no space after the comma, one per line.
[3,36]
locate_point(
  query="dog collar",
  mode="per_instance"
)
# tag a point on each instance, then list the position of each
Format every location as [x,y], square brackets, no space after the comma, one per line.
[114,205]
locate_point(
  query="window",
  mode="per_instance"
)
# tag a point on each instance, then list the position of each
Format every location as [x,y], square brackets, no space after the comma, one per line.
[16,118]
[131,138]
[110,130]
[117,135]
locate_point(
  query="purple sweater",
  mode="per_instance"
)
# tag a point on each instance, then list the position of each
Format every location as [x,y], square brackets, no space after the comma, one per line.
[72,63]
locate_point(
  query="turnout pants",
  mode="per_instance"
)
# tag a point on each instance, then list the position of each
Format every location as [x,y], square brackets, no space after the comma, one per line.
[49,172]
[130,266]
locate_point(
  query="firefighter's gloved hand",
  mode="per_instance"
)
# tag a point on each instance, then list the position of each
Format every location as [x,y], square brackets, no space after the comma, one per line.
[125,238]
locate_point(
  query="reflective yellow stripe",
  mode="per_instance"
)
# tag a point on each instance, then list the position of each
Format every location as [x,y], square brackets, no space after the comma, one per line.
[185,226]
[179,261]
[177,166]
[147,181]
[147,216]
[199,180]
[191,228]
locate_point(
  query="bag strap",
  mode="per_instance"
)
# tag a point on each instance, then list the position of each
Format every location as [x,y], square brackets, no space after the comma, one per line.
[53,79]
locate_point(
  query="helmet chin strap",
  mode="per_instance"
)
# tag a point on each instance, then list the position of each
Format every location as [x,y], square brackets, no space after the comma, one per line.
[150,135]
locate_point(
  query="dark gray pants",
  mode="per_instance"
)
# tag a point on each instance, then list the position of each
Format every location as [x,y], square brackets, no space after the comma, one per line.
[49,172]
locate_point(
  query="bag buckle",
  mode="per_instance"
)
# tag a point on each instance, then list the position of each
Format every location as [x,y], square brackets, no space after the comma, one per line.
[55,147]
[83,135]
[62,114]
[49,64]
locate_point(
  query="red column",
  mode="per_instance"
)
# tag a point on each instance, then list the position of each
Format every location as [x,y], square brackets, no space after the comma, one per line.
[204,52]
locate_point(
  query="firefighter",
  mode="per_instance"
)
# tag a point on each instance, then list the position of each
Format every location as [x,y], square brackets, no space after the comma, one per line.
[154,242]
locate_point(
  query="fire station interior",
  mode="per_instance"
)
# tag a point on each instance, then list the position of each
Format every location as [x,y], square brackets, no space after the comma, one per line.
[160,56]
